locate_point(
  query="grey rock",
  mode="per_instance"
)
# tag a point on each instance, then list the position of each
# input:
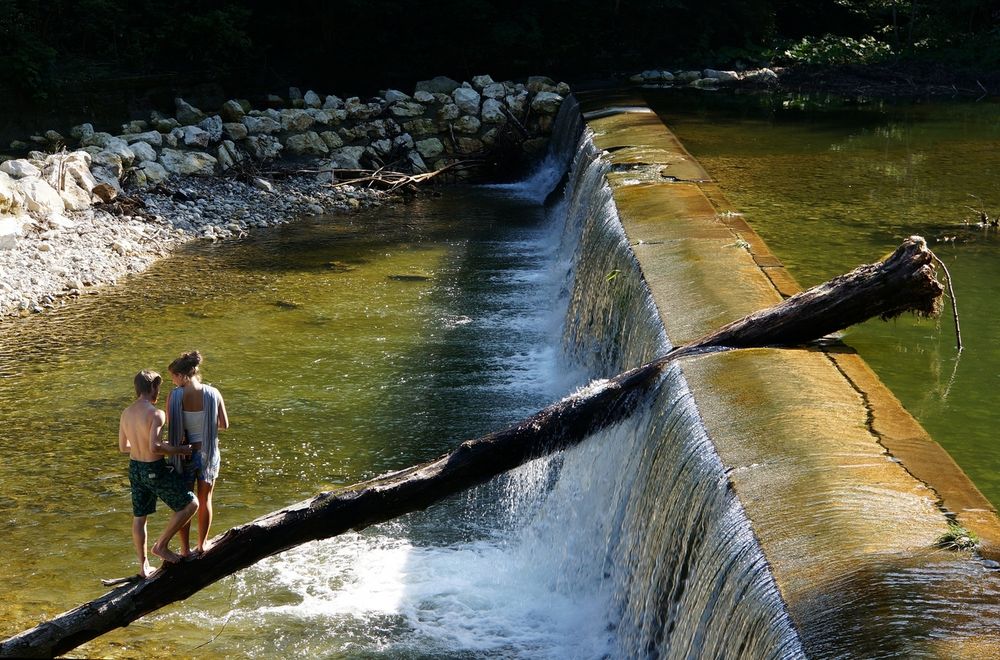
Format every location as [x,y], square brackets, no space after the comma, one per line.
[186,113]
[347,157]
[195,137]
[296,120]
[189,163]
[493,112]
[420,127]
[467,124]
[261,125]
[333,103]
[152,138]
[407,109]
[143,151]
[81,131]
[263,147]
[393,95]
[546,103]
[312,99]
[481,82]
[306,144]
[234,131]
[430,147]
[332,139]
[213,126]
[467,100]
[232,111]
[423,97]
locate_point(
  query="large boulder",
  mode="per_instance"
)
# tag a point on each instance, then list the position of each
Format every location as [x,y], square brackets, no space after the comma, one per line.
[10,230]
[152,138]
[213,126]
[546,103]
[154,172]
[264,147]
[228,155]
[493,112]
[20,168]
[103,140]
[467,100]
[143,151]
[306,144]
[467,124]
[394,95]
[186,113]
[261,125]
[234,131]
[41,197]
[296,120]
[11,196]
[348,158]
[333,103]
[331,139]
[406,109]
[481,82]
[312,99]
[232,111]
[440,84]
[188,163]
[196,137]
[495,91]
[430,147]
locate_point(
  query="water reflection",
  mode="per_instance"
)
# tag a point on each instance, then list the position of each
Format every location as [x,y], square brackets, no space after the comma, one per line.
[833,186]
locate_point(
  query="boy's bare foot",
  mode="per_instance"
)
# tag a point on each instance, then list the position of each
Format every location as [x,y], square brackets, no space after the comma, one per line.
[166,554]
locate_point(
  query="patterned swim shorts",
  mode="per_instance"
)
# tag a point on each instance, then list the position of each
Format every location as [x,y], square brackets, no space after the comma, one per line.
[152,480]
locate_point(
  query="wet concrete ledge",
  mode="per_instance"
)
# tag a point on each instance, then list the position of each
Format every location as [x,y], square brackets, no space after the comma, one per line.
[845,491]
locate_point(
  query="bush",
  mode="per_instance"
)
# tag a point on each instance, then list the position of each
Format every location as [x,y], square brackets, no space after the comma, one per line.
[832,50]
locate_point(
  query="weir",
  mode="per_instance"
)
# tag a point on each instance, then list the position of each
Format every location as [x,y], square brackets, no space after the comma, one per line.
[769,502]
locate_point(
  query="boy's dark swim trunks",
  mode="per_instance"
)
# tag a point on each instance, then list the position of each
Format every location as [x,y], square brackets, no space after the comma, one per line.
[152,480]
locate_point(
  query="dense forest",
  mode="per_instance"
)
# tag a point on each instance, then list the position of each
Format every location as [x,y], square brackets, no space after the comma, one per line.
[356,45]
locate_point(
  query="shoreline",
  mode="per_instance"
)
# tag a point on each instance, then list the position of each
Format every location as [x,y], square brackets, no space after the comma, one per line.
[87,250]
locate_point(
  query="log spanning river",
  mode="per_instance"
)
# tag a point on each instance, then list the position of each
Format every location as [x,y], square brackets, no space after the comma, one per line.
[746,511]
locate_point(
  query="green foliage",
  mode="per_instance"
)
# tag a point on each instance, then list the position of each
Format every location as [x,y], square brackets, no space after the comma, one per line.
[831,50]
[958,538]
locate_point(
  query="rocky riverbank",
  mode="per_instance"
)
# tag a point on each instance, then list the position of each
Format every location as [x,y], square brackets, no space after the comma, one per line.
[73,220]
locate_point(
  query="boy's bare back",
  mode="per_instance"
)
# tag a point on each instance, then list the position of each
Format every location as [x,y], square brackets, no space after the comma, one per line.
[139,431]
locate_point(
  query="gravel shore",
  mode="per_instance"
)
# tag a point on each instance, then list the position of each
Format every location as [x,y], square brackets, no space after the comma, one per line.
[59,259]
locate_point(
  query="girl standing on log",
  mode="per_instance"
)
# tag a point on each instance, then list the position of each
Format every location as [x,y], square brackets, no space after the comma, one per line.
[195,414]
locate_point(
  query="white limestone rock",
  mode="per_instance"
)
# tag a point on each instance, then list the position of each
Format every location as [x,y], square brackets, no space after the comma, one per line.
[467,100]
[20,168]
[11,196]
[188,163]
[11,229]
[41,197]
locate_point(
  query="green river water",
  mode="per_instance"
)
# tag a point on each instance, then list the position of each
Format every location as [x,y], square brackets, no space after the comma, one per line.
[345,347]
[830,185]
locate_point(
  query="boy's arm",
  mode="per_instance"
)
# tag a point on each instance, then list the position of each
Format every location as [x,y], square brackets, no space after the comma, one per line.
[123,445]
[156,442]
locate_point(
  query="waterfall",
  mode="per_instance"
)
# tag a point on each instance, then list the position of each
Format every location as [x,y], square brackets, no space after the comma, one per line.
[648,510]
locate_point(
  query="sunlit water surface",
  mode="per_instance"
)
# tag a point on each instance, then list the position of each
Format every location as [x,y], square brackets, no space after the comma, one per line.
[830,185]
[345,347]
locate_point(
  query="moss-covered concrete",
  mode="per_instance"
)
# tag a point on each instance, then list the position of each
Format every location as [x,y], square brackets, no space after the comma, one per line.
[845,491]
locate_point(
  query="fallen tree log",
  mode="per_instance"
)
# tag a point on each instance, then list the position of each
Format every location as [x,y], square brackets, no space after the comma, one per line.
[903,282]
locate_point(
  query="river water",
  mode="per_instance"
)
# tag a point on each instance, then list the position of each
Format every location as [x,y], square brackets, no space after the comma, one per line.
[349,346]
[346,347]
[832,184]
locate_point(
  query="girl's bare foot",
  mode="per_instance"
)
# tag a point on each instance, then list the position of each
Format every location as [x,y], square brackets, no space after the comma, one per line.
[146,570]
[166,554]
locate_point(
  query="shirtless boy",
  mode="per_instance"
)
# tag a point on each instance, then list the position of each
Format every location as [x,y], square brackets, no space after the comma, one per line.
[140,436]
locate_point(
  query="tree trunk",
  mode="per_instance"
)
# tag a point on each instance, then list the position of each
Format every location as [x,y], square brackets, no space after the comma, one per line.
[904,282]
